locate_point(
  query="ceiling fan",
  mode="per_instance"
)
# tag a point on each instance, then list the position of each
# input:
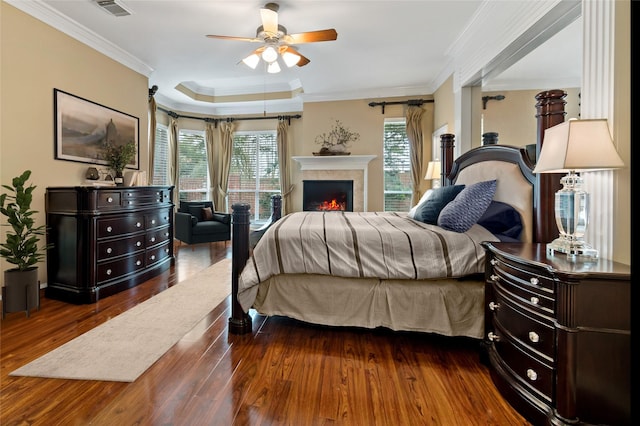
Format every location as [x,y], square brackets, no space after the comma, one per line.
[276,41]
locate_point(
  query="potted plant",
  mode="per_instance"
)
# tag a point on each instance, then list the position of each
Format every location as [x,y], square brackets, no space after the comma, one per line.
[337,140]
[118,156]
[21,246]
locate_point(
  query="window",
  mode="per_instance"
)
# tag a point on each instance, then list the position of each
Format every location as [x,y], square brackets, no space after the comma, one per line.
[192,160]
[161,157]
[397,166]
[254,174]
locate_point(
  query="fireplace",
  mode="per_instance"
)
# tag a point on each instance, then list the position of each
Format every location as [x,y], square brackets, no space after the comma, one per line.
[327,195]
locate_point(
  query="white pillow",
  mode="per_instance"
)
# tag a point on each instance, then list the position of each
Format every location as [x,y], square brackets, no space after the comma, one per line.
[424,198]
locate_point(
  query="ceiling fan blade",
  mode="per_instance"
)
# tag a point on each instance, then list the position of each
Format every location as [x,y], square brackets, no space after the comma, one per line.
[270,18]
[311,36]
[251,39]
[301,62]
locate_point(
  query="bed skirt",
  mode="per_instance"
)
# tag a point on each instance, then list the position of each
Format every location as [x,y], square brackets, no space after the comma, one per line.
[448,307]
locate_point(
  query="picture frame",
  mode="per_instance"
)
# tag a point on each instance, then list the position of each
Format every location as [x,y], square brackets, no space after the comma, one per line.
[83,127]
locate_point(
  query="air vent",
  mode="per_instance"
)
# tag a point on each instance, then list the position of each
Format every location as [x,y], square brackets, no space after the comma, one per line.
[113,7]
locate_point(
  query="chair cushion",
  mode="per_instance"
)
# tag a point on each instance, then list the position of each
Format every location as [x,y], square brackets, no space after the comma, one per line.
[196,210]
[210,227]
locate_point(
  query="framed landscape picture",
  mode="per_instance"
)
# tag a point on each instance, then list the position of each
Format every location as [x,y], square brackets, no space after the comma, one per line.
[83,128]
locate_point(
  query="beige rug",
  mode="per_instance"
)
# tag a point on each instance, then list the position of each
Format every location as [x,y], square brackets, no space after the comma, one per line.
[126,346]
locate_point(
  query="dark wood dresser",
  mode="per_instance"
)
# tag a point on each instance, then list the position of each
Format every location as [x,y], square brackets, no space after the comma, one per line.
[106,239]
[558,335]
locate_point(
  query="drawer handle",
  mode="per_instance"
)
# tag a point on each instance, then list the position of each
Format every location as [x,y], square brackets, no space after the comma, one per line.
[138,224]
[494,306]
[138,243]
[153,221]
[166,234]
[534,281]
[109,250]
[129,194]
[166,250]
[153,257]
[533,336]
[129,202]
[493,336]
[108,271]
[109,200]
[493,262]
[138,262]
[166,218]
[153,239]
[109,229]
[532,375]
[535,300]
[493,278]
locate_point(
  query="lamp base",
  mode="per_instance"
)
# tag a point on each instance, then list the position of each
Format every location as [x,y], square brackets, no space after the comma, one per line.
[572,248]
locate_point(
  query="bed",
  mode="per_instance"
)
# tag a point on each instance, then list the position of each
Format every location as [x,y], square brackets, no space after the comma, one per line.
[384,269]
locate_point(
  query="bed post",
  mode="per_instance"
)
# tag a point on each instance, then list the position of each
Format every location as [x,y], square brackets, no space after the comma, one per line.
[549,112]
[446,155]
[240,321]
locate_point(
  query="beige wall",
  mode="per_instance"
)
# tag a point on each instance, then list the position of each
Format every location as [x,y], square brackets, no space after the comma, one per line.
[36,59]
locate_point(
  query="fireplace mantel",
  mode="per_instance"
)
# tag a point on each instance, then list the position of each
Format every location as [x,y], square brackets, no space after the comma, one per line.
[358,164]
[334,162]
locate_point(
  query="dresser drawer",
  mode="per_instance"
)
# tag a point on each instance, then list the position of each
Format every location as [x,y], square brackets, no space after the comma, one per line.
[527,369]
[157,254]
[118,247]
[115,269]
[120,225]
[157,218]
[157,236]
[109,200]
[534,331]
[536,298]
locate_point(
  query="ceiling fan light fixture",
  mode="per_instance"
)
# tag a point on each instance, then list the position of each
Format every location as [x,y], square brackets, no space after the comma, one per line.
[290,59]
[270,54]
[273,68]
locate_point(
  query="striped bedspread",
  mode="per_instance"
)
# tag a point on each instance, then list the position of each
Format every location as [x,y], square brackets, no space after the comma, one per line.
[385,245]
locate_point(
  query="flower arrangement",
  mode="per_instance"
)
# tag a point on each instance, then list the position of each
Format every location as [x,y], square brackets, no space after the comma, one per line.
[337,139]
[118,156]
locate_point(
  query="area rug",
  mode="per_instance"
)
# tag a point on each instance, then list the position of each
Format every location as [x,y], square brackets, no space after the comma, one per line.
[124,347]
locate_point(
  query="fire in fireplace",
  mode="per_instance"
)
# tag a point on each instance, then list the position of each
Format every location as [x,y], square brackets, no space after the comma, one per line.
[327,195]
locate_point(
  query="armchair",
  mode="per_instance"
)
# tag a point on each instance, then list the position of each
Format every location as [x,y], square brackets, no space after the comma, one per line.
[197,222]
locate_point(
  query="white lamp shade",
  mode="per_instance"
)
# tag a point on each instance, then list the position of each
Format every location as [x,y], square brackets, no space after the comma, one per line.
[290,58]
[270,54]
[251,61]
[579,145]
[273,68]
[433,170]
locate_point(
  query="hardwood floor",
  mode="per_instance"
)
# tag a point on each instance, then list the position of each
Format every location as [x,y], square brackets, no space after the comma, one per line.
[284,373]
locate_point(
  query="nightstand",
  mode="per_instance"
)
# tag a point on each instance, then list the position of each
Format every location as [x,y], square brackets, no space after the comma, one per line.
[558,335]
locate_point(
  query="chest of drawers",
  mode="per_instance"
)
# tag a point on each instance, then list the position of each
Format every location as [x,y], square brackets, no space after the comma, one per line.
[558,335]
[106,239]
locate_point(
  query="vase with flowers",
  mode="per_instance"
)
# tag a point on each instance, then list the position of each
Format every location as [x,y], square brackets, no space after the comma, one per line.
[117,157]
[337,140]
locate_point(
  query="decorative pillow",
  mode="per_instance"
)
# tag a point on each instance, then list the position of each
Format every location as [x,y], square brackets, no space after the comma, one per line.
[412,212]
[222,217]
[429,210]
[468,206]
[196,210]
[207,213]
[501,219]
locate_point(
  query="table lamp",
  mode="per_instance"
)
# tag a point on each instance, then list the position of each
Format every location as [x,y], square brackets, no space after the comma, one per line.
[434,173]
[575,146]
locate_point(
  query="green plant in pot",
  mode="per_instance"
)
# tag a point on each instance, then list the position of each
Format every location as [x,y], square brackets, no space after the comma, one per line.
[118,157]
[21,247]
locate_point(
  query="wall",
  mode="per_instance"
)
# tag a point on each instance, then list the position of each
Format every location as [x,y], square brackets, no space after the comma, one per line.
[36,59]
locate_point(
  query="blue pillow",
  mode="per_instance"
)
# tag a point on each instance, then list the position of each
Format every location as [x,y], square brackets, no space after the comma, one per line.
[429,210]
[502,220]
[468,206]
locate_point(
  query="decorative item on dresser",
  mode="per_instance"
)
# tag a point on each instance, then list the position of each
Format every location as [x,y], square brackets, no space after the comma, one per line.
[106,239]
[558,335]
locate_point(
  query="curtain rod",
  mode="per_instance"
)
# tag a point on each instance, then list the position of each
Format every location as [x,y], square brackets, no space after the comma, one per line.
[215,121]
[410,102]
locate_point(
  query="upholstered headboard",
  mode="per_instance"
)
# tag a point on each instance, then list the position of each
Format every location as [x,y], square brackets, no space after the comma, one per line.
[511,167]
